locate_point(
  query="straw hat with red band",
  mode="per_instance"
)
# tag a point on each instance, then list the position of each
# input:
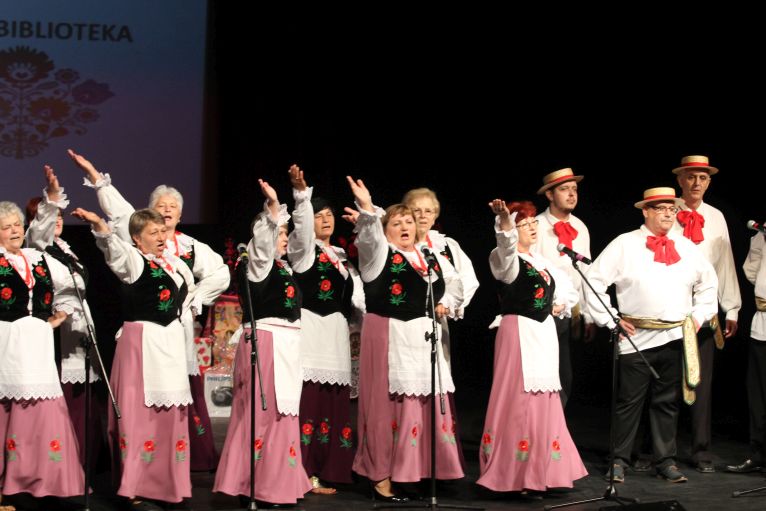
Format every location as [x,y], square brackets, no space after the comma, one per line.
[557,177]
[659,194]
[695,162]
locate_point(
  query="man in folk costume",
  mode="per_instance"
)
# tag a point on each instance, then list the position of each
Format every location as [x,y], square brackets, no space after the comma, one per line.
[559,225]
[666,289]
[706,227]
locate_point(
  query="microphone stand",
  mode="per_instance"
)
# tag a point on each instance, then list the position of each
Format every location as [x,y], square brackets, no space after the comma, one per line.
[433,338]
[255,368]
[88,342]
[611,489]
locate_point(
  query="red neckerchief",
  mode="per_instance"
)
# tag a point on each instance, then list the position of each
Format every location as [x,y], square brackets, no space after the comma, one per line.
[565,232]
[28,278]
[664,249]
[422,267]
[693,223]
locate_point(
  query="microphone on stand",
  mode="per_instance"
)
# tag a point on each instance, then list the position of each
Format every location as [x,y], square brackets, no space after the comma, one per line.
[430,257]
[752,224]
[242,251]
[571,253]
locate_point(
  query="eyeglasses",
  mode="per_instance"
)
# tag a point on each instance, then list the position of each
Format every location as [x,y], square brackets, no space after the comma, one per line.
[528,225]
[665,209]
[425,212]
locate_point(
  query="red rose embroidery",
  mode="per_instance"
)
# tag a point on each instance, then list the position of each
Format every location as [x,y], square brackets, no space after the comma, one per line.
[180,446]
[6,293]
[149,446]
[152,265]
[308,429]
[324,428]
[556,445]
[289,291]
[197,420]
[40,271]
[487,439]
[10,444]
[523,446]
[394,426]
[414,431]
[164,295]
[123,444]
[396,289]
[540,292]
[258,444]
[3,262]
[292,452]
[444,427]
[47,298]
[55,445]
[397,259]
[323,258]
[325,285]
[346,432]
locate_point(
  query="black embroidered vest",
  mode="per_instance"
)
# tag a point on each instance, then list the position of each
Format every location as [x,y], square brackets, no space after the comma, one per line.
[324,288]
[68,260]
[188,257]
[276,296]
[400,291]
[153,297]
[529,295]
[14,293]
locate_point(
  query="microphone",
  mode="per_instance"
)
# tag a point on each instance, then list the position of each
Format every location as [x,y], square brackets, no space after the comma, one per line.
[429,256]
[571,253]
[242,251]
[751,224]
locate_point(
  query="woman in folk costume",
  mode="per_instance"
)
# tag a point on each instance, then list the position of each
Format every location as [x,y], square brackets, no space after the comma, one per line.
[40,454]
[395,371]
[211,276]
[276,299]
[44,233]
[526,444]
[332,296]
[150,442]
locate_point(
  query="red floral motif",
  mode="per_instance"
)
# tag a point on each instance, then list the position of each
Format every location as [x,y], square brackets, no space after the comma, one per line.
[291,458]
[414,431]
[47,298]
[40,271]
[345,437]
[522,450]
[3,262]
[180,446]
[6,293]
[444,427]
[55,445]
[54,450]
[394,426]
[289,291]
[197,420]
[540,292]
[324,428]
[123,444]
[486,444]
[346,432]
[556,451]
[396,289]
[486,439]
[181,450]
[152,265]
[414,436]
[258,444]
[149,446]
[323,258]
[556,445]
[165,295]
[325,285]
[10,444]
[397,259]
[308,429]
[524,446]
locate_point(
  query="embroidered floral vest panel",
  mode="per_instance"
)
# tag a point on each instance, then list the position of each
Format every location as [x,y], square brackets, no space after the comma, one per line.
[276,296]
[530,295]
[400,291]
[14,293]
[325,290]
[153,297]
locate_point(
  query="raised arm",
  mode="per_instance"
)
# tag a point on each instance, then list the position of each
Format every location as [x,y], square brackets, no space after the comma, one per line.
[42,228]
[300,247]
[370,240]
[503,260]
[263,245]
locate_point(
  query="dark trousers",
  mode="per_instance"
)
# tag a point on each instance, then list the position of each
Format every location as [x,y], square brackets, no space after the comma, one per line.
[635,382]
[756,398]
[701,410]
[563,329]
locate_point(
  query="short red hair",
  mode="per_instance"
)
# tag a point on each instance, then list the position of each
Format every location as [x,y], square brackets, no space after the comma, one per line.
[32,208]
[524,208]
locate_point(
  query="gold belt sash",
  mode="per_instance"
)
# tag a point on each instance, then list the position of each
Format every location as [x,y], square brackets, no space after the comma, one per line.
[691,360]
[760,304]
[715,325]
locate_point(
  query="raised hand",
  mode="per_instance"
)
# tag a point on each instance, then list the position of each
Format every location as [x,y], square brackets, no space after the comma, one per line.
[89,216]
[271,196]
[507,219]
[86,166]
[53,189]
[361,194]
[351,215]
[296,178]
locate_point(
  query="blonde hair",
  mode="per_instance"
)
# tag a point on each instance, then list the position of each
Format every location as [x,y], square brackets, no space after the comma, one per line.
[418,193]
[396,209]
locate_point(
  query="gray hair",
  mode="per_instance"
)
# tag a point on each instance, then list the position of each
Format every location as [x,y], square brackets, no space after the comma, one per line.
[164,190]
[140,218]
[8,208]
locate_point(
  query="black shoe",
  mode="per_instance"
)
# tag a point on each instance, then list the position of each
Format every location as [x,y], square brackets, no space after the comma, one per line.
[705,467]
[746,466]
[671,474]
[376,495]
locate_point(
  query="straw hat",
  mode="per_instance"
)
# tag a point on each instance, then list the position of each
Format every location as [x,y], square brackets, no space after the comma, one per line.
[557,177]
[695,162]
[659,194]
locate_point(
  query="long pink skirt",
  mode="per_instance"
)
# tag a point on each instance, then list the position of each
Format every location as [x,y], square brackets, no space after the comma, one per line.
[395,430]
[526,443]
[150,446]
[40,455]
[279,474]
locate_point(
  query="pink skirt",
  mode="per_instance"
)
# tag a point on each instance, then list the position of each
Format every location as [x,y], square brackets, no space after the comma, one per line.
[279,474]
[150,446]
[526,443]
[40,456]
[395,430]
